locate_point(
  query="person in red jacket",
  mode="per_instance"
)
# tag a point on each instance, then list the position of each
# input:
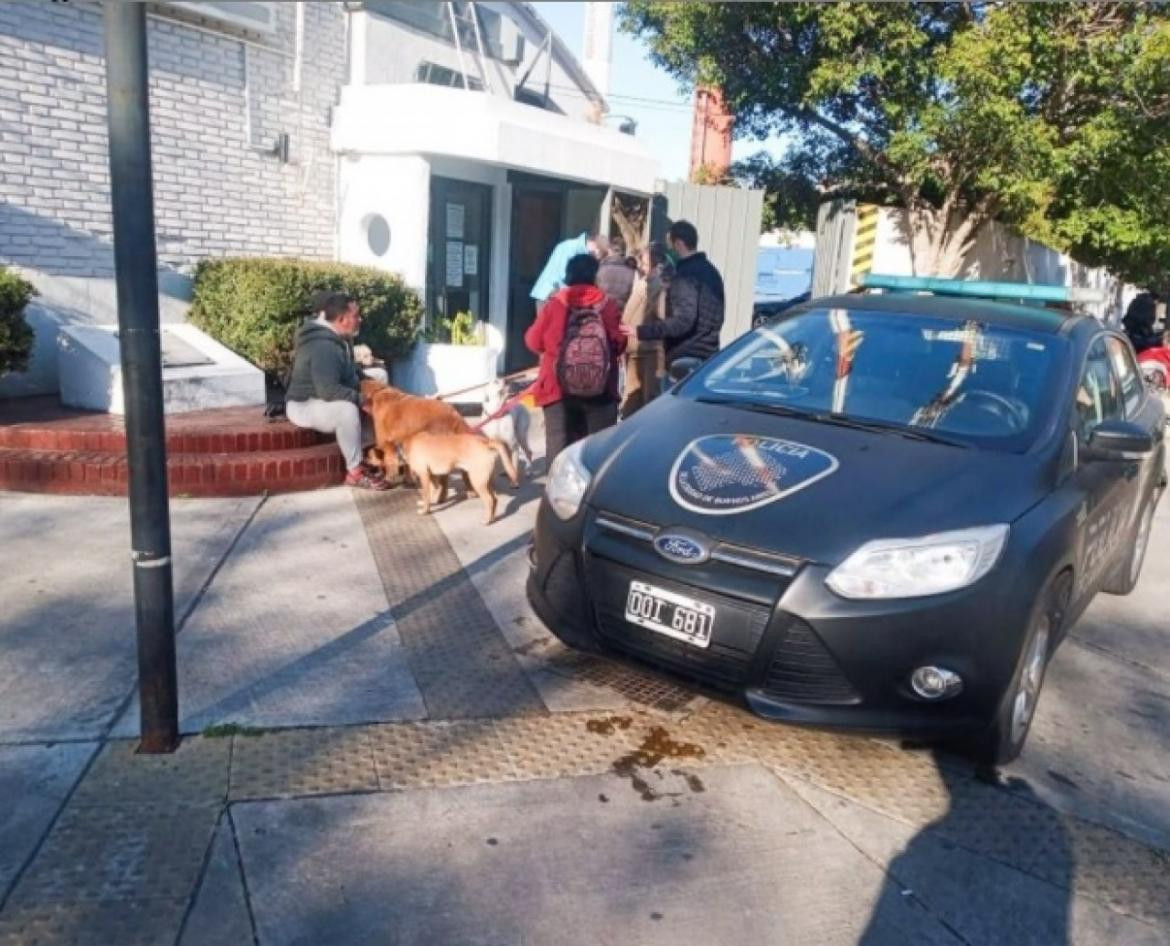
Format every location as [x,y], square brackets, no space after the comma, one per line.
[569,419]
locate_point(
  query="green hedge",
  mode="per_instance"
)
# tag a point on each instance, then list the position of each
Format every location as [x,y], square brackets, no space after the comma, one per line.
[254,306]
[16,336]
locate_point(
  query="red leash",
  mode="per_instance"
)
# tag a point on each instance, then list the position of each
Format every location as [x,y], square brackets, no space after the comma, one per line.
[503,408]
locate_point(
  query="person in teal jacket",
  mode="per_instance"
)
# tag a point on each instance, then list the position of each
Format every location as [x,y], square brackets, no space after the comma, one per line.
[552,277]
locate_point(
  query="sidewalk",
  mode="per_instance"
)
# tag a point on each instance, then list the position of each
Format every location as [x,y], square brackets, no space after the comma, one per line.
[385,746]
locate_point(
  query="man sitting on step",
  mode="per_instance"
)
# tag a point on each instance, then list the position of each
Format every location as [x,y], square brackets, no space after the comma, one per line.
[323,390]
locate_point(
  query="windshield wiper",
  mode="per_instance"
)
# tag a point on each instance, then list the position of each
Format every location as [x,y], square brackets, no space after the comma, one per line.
[783,410]
[877,426]
[838,420]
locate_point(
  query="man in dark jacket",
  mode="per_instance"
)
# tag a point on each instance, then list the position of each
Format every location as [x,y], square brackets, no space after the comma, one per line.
[694,301]
[1140,317]
[615,276]
[323,390]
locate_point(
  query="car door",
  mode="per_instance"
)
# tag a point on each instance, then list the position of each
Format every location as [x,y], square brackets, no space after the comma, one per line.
[1139,410]
[1107,488]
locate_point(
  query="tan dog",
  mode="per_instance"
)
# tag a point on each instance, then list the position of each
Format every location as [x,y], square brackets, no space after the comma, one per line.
[432,455]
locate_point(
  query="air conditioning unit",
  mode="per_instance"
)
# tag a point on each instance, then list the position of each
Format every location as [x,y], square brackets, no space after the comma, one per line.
[252,16]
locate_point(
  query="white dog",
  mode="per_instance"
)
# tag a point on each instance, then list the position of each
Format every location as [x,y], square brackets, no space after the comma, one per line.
[511,426]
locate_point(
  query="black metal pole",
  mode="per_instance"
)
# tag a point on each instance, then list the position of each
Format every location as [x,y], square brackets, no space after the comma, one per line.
[132,200]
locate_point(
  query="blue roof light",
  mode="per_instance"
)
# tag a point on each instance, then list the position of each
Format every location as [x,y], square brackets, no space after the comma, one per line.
[976,289]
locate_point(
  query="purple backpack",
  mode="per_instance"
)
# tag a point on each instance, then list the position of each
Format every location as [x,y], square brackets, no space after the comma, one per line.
[584,361]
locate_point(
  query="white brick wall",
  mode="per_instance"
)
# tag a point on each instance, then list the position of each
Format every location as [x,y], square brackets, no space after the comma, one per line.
[214,195]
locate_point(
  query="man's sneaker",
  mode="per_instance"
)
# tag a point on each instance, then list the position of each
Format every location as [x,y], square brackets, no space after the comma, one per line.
[360,479]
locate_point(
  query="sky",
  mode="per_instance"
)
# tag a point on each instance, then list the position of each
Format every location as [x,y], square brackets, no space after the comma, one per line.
[642,91]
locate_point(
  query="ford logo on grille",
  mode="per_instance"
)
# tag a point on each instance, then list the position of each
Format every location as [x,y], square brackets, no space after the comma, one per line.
[681,548]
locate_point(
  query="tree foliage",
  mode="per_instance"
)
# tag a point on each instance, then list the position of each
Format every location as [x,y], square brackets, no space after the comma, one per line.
[1052,117]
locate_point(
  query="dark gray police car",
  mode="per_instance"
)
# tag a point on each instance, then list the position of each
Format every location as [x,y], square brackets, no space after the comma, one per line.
[880,512]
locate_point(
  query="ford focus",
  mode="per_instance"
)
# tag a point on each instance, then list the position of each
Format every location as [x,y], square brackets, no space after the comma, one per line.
[879,512]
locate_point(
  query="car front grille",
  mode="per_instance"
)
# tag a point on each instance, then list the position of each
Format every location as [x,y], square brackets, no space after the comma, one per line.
[802,669]
[755,560]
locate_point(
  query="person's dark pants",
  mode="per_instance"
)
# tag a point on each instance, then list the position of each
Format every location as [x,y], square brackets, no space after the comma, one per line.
[572,419]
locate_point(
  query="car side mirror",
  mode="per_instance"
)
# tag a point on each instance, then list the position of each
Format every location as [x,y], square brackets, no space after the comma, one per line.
[1119,440]
[683,368]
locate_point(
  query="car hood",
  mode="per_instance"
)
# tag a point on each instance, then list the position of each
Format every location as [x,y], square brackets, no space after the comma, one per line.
[813,490]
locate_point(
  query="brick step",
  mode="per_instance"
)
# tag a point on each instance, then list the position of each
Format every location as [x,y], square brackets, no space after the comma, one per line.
[216,434]
[237,473]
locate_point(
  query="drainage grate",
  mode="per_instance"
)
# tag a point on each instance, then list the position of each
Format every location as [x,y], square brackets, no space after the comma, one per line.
[639,686]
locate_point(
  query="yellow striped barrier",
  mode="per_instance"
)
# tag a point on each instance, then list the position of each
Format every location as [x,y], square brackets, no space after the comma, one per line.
[864,242]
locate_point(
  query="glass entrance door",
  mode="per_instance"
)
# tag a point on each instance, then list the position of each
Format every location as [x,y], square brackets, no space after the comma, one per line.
[544,212]
[458,250]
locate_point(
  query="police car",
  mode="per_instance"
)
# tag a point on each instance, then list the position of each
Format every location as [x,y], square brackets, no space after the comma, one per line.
[878,511]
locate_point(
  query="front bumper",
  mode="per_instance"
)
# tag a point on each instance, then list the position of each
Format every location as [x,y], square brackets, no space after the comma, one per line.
[785,645]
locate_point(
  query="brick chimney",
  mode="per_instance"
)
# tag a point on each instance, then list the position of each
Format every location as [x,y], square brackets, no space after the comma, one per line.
[710,136]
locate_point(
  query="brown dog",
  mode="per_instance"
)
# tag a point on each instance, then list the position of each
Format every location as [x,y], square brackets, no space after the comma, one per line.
[432,455]
[397,416]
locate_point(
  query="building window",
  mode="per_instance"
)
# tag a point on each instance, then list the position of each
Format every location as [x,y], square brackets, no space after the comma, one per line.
[377,234]
[255,16]
[428,16]
[435,74]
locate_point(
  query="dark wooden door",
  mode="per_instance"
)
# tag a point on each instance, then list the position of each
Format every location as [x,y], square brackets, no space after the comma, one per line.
[536,230]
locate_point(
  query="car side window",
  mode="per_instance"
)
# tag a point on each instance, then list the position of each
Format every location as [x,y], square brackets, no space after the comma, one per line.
[1127,373]
[1099,395]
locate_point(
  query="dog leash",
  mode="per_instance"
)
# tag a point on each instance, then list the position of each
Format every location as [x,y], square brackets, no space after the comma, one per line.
[503,408]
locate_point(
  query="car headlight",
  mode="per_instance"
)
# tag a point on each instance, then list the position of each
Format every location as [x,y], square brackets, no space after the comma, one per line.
[567,481]
[913,568]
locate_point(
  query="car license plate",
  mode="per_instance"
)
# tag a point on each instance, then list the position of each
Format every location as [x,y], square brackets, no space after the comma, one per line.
[666,612]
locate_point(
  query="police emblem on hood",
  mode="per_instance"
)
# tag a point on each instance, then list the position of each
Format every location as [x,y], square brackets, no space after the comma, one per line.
[727,473]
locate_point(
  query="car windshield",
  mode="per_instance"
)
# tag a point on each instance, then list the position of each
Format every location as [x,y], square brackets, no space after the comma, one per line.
[971,383]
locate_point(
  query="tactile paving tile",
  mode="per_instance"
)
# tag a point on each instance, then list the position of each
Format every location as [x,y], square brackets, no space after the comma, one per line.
[120,923]
[905,785]
[303,762]
[567,744]
[197,772]
[461,662]
[112,852]
[643,687]
[938,793]
[1092,860]
[434,754]
[1125,875]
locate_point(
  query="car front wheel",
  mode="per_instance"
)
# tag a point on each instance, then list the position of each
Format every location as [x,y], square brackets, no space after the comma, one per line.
[1004,739]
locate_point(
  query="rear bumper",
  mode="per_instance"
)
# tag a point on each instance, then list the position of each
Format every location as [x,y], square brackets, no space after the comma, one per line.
[789,648]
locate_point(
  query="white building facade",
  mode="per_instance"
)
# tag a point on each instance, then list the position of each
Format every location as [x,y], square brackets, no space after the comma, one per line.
[452,143]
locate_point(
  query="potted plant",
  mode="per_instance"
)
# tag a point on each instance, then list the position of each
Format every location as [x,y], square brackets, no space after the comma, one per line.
[450,356]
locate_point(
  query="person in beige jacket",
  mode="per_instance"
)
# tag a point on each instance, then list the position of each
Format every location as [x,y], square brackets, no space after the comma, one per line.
[646,361]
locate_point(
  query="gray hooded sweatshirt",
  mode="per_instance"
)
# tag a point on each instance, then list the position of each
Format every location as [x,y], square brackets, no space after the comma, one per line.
[323,366]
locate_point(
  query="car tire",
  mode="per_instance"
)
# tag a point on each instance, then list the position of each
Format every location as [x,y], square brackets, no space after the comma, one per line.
[1004,739]
[1128,572]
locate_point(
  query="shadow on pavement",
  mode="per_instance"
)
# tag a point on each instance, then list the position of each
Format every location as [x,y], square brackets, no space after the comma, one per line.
[994,868]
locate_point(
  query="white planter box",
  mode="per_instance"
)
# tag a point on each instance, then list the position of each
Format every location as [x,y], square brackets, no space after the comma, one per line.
[440,369]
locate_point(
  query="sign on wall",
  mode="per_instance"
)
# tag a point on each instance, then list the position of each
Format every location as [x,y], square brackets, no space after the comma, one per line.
[454,266]
[455,215]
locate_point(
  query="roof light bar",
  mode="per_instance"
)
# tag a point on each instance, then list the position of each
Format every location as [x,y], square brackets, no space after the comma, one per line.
[971,288]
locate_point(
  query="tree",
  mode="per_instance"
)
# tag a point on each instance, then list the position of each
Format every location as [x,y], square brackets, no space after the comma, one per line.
[1048,116]
[629,215]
